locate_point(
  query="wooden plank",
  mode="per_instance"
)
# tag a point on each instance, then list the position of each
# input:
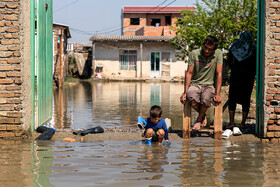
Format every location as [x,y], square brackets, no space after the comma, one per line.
[218,121]
[186,132]
[206,130]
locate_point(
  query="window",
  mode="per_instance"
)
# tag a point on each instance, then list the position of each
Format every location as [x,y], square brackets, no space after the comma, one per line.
[167,20]
[165,57]
[165,64]
[134,21]
[128,59]
[155,22]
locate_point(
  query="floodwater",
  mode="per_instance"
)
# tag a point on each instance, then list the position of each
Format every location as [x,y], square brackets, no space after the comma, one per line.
[117,104]
[199,162]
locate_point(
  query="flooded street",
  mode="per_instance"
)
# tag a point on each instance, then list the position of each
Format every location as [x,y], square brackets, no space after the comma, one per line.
[114,104]
[200,161]
[117,104]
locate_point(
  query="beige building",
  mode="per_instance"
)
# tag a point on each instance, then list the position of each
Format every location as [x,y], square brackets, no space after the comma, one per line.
[135,57]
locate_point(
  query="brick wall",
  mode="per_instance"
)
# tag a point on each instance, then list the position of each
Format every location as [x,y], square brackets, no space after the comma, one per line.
[272,71]
[145,28]
[14,56]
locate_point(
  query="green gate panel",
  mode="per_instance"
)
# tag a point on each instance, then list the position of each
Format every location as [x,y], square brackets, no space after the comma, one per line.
[260,69]
[44,60]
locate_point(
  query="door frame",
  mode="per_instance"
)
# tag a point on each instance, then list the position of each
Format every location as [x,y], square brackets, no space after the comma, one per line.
[260,127]
[158,73]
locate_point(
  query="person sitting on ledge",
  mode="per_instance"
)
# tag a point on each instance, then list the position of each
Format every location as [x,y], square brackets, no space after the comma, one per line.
[199,89]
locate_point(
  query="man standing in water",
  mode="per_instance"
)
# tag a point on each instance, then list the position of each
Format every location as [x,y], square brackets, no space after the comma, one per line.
[199,88]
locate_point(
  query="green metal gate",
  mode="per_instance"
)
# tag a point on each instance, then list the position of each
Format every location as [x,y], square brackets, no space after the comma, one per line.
[260,69]
[41,63]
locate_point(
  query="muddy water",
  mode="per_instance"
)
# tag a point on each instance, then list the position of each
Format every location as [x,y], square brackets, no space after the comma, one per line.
[199,162]
[202,161]
[117,104]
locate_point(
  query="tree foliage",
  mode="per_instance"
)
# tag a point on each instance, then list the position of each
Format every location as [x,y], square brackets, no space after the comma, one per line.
[221,18]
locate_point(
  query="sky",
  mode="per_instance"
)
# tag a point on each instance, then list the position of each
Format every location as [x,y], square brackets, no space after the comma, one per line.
[86,18]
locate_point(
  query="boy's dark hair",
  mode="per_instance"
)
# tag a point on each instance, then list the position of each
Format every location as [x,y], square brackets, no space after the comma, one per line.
[155,111]
[211,40]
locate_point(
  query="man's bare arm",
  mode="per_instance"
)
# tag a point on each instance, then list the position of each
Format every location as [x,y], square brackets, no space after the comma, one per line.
[219,69]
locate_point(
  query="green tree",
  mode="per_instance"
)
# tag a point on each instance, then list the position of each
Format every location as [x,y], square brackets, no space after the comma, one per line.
[221,18]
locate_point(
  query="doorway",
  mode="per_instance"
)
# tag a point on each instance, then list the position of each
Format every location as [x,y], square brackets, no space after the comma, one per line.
[155,64]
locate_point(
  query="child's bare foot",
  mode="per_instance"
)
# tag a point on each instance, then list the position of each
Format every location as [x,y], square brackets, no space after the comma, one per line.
[196,126]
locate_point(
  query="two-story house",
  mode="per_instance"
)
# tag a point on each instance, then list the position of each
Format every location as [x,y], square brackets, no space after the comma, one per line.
[150,21]
[143,50]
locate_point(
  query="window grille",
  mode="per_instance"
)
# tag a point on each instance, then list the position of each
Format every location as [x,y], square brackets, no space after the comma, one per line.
[128,59]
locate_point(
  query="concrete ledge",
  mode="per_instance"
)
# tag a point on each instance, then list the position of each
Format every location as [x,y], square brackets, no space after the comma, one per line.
[167,79]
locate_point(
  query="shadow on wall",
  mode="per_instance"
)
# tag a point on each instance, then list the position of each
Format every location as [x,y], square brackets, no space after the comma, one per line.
[226,72]
[80,65]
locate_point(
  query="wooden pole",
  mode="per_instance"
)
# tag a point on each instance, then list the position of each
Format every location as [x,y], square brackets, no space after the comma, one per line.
[218,121]
[186,132]
[218,162]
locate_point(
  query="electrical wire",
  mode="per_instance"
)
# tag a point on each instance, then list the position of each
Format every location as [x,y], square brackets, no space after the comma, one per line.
[66,6]
[158,5]
[153,12]
[82,32]
[115,30]
[118,25]
[165,6]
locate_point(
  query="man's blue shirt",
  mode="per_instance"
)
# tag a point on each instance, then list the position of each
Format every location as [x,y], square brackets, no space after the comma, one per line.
[160,125]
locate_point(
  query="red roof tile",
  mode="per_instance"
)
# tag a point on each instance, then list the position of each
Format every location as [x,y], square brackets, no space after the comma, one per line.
[155,9]
[131,38]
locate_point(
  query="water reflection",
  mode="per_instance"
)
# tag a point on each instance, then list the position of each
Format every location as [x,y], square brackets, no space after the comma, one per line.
[116,104]
[15,159]
[153,159]
[201,165]
[196,162]
[41,162]
[270,166]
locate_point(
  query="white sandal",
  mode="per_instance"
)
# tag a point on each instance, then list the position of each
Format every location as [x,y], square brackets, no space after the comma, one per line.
[226,134]
[236,131]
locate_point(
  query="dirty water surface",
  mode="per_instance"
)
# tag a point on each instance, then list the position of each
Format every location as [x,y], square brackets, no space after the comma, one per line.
[195,162]
[85,104]
[109,159]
